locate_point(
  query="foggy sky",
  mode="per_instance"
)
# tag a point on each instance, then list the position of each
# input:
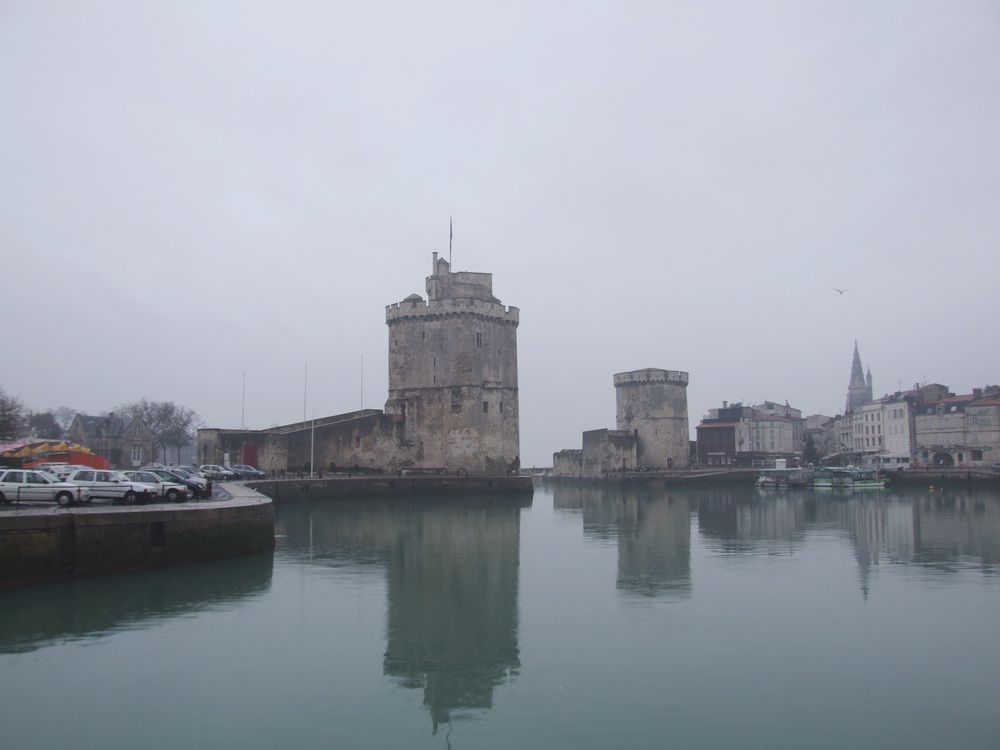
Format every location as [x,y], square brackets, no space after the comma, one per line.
[191,190]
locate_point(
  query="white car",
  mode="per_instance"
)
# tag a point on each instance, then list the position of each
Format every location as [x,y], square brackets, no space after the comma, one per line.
[111,485]
[26,484]
[172,491]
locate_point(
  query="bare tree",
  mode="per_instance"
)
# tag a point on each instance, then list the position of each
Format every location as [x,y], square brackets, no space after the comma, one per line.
[63,415]
[170,423]
[181,429]
[11,416]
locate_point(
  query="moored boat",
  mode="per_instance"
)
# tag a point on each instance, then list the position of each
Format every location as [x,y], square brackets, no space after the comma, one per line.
[848,478]
[780,479]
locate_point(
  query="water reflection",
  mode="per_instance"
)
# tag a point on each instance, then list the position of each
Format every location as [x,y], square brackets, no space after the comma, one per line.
[452,576]
[938,530]
[38,616]
[652,531]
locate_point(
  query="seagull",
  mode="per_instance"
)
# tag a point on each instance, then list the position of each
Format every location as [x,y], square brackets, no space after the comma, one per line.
[839,291]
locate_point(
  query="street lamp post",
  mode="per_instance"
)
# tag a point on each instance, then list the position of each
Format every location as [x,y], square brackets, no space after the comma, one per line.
[312,445]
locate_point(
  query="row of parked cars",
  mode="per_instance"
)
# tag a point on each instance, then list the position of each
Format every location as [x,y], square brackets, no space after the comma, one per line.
[69,484]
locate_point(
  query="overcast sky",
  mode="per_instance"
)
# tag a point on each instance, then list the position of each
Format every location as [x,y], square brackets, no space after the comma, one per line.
[189,190]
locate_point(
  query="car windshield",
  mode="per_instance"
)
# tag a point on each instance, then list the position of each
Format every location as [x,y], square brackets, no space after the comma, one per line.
[179,471]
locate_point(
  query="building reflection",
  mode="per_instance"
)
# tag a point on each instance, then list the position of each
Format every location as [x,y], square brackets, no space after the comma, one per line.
[37,616]
[652,532]
[935,529]
[452,576]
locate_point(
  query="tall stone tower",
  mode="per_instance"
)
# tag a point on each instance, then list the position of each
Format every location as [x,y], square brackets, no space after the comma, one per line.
[653,404]
[859,390]
[453,375]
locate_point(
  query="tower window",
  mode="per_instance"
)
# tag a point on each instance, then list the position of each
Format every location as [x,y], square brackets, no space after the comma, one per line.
[456,400]
[479,339]
[486,407]
[501,407]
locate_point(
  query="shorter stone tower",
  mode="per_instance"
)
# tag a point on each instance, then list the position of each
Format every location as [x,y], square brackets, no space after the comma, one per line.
[653,404]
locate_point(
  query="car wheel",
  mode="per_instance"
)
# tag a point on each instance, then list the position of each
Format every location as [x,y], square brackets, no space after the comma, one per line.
[173,495]
[64,498]
[3,499]
[129,497]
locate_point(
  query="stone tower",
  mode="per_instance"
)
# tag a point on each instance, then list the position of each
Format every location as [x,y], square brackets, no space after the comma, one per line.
[859,390]
[653,404]
[453,375]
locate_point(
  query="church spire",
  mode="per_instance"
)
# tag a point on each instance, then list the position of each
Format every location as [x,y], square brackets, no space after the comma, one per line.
[859,390]
[857,372]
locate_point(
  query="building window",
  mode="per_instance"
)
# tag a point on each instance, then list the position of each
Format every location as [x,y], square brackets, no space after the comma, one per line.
[456,400]
[486,407]
[357,441]
[977,455]
[501,407]
[479,339]
[136,455]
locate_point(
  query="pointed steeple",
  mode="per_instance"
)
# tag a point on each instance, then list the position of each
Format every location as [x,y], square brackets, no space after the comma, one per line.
[857,372]
[859,390]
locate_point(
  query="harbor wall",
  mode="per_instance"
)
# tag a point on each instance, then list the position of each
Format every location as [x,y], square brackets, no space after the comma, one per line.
[392,486]
[46,544]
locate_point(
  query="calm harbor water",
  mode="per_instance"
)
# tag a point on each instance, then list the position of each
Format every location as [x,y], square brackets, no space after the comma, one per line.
[586,618]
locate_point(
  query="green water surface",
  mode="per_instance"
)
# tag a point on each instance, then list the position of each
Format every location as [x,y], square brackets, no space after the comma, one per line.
[584,618]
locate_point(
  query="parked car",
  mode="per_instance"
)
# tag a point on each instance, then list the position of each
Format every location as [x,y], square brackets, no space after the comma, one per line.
[64,470]
[198,487]
[110,485]
[173,492]
[248,472]
[996,467]
[28,484]
[214,471]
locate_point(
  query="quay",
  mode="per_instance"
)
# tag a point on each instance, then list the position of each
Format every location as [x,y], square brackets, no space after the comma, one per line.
[381,485]
[42,543]
[947,477]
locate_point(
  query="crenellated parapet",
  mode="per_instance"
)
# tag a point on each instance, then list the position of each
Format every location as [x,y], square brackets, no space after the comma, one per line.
[651,375]
[415,308]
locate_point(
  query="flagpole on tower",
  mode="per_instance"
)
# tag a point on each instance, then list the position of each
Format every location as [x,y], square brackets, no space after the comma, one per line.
[451,234]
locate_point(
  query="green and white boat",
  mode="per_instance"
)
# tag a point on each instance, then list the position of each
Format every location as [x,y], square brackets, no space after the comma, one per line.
[848,478]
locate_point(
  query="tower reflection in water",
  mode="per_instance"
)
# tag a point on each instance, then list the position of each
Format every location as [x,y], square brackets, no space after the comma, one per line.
[452,577]
[652,532]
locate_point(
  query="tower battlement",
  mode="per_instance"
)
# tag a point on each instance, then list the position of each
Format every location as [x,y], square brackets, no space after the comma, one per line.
[650,375]
[415,307]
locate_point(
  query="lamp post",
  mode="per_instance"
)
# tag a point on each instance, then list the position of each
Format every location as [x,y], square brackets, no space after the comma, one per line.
[312,445]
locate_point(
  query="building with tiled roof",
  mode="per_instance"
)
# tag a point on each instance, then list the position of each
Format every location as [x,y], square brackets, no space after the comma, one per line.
[125,442]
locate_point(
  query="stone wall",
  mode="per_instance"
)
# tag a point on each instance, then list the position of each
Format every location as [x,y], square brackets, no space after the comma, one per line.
[45,546]
[608,451]
[567,463]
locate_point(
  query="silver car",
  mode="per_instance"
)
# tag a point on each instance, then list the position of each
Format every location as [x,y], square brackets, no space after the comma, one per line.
[172,491]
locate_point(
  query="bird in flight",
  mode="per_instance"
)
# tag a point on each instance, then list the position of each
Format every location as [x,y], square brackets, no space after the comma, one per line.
[839,291]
